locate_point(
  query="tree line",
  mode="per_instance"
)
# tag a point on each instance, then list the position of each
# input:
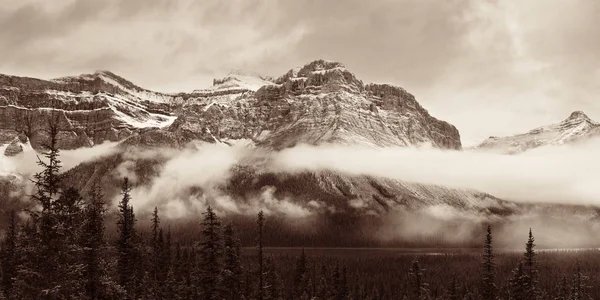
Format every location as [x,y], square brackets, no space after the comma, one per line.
[61,251]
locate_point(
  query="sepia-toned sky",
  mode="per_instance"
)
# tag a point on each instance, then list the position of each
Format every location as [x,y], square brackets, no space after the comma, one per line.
[490,67]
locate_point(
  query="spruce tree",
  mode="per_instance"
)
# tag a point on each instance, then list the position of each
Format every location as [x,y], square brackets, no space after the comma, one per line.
[93,243]
[489,290]
[8,257]
[419,286]
[579,287]
[232,268]
[300,275]
[530,267]
[272,282]
[211,252]
[49,263]
[518,284]
[126,242]
[154,245]
[260,221]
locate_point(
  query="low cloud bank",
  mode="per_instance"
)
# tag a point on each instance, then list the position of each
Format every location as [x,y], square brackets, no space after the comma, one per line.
[567,174]
[189,179]
[25,163]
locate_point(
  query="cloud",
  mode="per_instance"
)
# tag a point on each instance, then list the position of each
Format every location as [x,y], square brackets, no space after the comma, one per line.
[565,174]
[25,163]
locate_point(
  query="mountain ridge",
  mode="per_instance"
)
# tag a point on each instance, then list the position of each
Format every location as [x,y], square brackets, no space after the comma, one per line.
[575,128]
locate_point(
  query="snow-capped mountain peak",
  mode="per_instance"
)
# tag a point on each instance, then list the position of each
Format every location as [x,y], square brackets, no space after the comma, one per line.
[578,126]
[578,115]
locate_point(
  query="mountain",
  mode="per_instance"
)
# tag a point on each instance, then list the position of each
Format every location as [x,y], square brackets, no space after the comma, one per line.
[92,108]
[320,103]
[577,127]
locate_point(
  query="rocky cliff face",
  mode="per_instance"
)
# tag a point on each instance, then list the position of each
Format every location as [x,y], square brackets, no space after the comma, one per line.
[577,127]
[91,109]
[321,102]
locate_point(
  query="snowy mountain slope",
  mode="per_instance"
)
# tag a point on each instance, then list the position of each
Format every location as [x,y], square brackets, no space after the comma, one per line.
[577,127]
[92,108]
[321,102]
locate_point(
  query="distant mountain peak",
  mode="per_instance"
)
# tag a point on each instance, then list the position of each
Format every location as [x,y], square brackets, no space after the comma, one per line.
[577,115]
[319,65]
[577,127]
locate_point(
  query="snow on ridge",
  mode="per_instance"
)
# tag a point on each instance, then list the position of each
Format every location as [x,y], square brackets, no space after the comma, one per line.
[143,95]
[235,81]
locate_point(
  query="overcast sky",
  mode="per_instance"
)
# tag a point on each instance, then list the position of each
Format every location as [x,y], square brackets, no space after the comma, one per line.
[490,67]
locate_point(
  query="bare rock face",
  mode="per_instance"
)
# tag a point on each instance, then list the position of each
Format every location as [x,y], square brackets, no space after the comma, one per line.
[14,148]
[92,108]
[576,128]
[321,102]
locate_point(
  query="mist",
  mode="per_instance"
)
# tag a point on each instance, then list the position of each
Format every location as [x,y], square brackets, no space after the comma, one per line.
[25,163]
[190,179]
[567,174]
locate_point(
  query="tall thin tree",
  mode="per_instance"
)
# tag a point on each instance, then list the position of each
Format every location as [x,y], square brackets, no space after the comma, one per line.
[126,241]
[232,268]
[93,243]
[260,221]
[489,290]
[211,252]
[530,267]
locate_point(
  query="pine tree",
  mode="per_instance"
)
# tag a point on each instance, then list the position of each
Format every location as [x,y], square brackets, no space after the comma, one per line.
[300,275]
[154,244]
[8,256]
[260,221]
[518,285]
[211,252]
[579,289]
[530,267]
[93,243]
[272,282]
[232,268]
[419,286]
[489,290]
[160,259]
[49,263]
[126,243]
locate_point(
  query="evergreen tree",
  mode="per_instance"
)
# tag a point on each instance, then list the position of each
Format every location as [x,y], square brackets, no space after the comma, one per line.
[272,282]
[154,244]
[579,288]
[489,289]
[518,285]
[126,243]
[419,286]
[93,244]
[232,268]
[211,252]
[260,221]
[339,282]
[49,263]
[530,267]
[160,259]
[8,255]
[300,275]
